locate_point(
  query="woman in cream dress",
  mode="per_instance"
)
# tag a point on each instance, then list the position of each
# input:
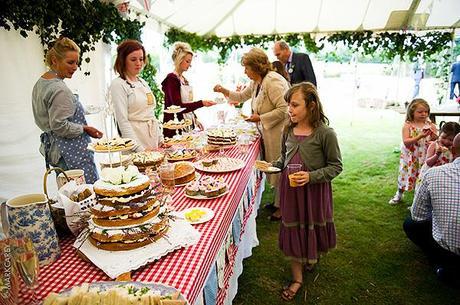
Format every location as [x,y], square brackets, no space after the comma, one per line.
[132,99]
[269,109]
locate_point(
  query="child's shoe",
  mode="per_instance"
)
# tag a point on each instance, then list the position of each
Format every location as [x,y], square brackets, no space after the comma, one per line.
[396,199]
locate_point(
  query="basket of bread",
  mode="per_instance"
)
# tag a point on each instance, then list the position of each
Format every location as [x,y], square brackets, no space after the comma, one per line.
[76,200]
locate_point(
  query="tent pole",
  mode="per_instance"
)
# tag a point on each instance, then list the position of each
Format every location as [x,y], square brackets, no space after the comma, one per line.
[230,12]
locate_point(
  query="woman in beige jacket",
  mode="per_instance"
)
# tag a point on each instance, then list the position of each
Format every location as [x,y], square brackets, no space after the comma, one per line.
[269,109]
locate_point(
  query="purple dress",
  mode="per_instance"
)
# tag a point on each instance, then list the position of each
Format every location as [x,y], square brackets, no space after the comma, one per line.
[307,220]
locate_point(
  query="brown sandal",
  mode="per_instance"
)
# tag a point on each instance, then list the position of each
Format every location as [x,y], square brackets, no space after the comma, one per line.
[288,294]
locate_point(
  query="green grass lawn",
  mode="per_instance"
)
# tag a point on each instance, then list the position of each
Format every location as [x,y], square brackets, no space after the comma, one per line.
[374,262]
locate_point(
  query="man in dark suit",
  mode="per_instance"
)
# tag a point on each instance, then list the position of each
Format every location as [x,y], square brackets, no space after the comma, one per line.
[455,80]
[298,65]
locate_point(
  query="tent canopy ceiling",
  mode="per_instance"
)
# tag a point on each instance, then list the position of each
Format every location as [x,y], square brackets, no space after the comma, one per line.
[228,17]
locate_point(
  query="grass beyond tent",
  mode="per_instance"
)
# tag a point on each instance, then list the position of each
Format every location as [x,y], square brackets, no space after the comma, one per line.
[374,262]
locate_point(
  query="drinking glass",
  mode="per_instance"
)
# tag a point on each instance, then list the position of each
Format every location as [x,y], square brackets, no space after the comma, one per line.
[243,145]
[153,177]
[26,260]
[221,117]
[167,177]
[292,170]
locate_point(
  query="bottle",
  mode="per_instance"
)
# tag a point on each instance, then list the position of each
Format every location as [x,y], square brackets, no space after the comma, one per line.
[9,279]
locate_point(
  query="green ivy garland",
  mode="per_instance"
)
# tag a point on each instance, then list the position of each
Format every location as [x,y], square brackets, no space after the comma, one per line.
[85,21]
[392,44]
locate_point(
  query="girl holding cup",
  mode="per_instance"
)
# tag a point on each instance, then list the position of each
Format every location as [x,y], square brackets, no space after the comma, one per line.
[310,159]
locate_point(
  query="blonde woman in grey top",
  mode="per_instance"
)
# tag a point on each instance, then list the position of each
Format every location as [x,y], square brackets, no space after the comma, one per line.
[60,115]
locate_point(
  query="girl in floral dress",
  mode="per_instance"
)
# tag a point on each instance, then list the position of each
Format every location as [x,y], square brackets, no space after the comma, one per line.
[417,132]
[307,226]
[440,151]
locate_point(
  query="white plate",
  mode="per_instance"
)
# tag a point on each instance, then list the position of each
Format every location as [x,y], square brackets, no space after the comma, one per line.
[162,289]
[174,110]
[270,170]
[90,147]
[193,156]
[207,217]
[223,166]
[116,160]
[202,197]
[93,109]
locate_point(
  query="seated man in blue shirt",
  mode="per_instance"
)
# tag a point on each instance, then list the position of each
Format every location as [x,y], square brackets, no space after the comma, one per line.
[434,224]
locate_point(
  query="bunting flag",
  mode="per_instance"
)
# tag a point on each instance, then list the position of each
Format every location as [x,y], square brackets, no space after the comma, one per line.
[146,4]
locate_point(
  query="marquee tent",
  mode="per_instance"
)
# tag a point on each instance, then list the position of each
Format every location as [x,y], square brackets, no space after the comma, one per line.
[227,17]
[21,59]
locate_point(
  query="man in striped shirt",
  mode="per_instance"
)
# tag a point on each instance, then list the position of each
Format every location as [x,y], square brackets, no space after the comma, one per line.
[435,222]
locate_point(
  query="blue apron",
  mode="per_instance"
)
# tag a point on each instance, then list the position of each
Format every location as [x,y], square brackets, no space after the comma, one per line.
[75,151]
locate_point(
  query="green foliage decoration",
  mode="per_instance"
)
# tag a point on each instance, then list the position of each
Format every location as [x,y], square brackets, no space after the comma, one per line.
[84,21]
[406,45]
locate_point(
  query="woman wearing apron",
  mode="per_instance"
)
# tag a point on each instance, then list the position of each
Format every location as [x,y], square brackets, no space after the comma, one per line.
[177,89]
[60,115]
[133,101]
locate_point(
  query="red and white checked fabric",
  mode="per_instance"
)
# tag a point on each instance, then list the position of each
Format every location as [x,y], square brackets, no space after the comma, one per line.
[184,269]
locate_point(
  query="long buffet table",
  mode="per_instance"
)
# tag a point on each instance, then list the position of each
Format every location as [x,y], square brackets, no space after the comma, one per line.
[205,273]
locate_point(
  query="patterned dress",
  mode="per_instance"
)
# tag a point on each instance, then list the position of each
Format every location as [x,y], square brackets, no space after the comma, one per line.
[444,158]
[411,160]
[307,222]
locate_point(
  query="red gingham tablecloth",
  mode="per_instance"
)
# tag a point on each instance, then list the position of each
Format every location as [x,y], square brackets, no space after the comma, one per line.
[184,269]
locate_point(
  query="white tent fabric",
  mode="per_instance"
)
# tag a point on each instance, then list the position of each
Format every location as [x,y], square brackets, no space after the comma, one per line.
[228,17]
[22,166]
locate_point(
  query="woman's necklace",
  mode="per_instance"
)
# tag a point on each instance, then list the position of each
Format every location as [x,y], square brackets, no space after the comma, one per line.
[53,72]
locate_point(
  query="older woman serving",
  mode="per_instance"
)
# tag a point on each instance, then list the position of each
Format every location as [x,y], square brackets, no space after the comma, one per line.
[269,109]
[60,115]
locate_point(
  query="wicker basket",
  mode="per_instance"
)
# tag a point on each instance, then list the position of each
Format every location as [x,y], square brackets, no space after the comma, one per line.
[58,215]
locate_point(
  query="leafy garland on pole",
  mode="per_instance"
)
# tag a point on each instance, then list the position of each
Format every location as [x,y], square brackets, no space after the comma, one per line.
[392,44]
[84,21]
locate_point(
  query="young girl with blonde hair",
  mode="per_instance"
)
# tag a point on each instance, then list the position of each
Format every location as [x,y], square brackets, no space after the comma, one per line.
[417,134]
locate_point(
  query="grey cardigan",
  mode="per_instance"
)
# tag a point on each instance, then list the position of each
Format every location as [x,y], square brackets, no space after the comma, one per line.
[319,152]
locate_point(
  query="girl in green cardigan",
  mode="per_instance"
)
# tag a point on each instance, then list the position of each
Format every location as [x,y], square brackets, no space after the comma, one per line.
[307,223]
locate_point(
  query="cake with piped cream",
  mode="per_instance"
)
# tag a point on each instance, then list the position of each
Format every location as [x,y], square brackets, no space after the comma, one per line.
[128,215]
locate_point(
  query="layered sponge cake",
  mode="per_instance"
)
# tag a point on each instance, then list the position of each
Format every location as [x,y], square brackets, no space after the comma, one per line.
[147,159]
[221,136]
[128,215]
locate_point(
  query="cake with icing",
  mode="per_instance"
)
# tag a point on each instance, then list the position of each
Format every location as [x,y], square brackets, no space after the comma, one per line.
[147,159]
[221,136]
[113,144]
[208,186]
[128,215]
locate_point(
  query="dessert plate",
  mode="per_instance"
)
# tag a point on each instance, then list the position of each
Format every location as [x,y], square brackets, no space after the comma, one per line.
[173,110]
[159,288]
[208,214]
[270,170]
[224,165]
[202,197]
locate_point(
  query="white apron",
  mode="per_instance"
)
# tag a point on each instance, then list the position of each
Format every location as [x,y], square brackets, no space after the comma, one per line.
[141,116]
[186,94]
